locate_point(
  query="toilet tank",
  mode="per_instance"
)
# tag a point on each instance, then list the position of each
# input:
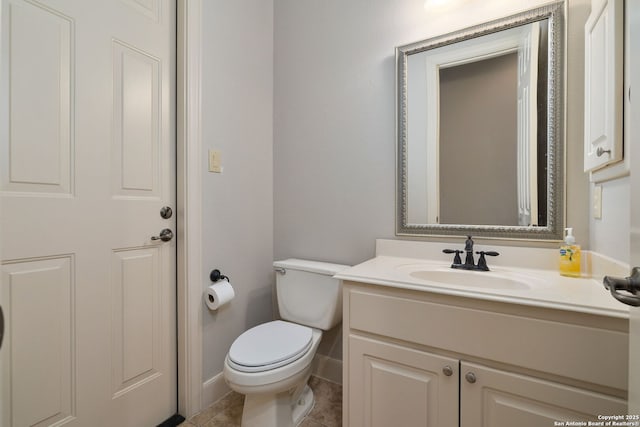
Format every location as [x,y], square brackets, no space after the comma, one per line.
[308,294]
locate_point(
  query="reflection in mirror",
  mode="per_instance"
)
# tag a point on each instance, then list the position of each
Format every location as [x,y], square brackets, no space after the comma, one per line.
[479,133]
[484,129]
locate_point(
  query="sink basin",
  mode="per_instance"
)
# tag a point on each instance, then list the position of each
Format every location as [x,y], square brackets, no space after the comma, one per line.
[470,278]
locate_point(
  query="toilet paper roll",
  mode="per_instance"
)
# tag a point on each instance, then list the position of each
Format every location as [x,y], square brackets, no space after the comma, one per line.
[219,294]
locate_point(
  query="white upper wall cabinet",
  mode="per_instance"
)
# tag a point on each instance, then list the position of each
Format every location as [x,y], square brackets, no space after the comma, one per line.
[603,84]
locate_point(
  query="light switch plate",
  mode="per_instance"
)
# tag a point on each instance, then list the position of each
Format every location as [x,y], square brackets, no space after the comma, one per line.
[214,161]
[597,202]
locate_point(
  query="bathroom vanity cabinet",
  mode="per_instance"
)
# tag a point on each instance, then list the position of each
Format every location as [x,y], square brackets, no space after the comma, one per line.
[414,358]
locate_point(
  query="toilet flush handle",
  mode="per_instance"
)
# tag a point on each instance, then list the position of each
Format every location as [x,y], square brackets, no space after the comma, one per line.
[280,270]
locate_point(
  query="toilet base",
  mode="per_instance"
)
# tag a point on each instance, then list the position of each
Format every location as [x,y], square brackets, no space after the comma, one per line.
[286,409]
[303,405]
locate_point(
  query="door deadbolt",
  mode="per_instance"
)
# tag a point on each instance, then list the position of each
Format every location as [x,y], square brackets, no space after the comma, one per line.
[166,212]
[165,235]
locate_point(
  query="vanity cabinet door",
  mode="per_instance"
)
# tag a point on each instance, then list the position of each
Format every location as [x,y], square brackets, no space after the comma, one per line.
[493,398]
[391,385]
[603,37]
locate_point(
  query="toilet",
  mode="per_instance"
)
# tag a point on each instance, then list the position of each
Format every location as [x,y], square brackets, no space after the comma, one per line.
[271,363]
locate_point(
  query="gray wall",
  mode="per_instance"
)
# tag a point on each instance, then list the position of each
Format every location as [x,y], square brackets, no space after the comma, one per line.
[334,120]
[299,97]
[610,234]
[334,117]
[334,172]
[237,119]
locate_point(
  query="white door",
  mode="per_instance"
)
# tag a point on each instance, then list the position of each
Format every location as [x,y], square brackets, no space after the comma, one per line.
[633,11]
[87,162]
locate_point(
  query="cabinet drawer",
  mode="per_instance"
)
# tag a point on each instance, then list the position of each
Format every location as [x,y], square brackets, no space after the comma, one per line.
[583,353]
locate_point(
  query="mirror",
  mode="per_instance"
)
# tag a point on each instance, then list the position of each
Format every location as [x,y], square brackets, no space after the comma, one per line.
[480,130]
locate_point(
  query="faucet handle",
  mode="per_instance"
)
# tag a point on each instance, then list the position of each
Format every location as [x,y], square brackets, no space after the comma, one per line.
[482,262]
[456,259]
[488,253]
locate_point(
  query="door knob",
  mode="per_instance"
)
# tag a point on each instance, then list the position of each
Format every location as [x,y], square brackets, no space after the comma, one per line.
[629,284]
[447,370]
[165,235]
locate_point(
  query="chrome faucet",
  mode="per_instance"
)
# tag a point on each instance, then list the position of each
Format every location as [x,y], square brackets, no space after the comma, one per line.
[469,263]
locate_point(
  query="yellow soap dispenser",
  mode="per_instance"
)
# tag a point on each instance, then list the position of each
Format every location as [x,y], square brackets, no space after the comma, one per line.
[570,255]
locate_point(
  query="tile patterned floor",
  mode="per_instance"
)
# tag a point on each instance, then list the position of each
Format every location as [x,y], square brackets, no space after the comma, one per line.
[227,412]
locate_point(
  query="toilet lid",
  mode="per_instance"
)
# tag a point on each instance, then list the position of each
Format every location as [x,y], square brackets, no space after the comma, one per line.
[269,346]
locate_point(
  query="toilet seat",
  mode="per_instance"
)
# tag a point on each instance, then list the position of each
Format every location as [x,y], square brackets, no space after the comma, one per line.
[269,346]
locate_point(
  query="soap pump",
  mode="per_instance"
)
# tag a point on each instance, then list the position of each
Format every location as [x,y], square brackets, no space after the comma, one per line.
[570,255]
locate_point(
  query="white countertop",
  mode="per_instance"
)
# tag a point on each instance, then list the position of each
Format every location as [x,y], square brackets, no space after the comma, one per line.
[547,288]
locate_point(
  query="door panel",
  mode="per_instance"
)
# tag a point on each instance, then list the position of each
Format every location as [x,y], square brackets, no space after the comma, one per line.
[393,385]
[38,159]
[136,311]
[88,160]
[40,294]
[503,399]
[136,128]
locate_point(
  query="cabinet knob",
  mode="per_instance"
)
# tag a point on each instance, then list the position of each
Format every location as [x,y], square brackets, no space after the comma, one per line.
[447,370]
[470,377]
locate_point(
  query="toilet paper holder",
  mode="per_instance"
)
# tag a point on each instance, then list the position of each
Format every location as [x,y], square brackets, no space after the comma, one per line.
[216,275]
[220,293]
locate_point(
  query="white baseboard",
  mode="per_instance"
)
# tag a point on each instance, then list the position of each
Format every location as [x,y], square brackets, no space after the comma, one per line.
[327,368]
[213,389]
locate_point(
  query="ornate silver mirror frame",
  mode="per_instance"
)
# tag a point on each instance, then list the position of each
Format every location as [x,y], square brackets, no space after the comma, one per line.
[553,229]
